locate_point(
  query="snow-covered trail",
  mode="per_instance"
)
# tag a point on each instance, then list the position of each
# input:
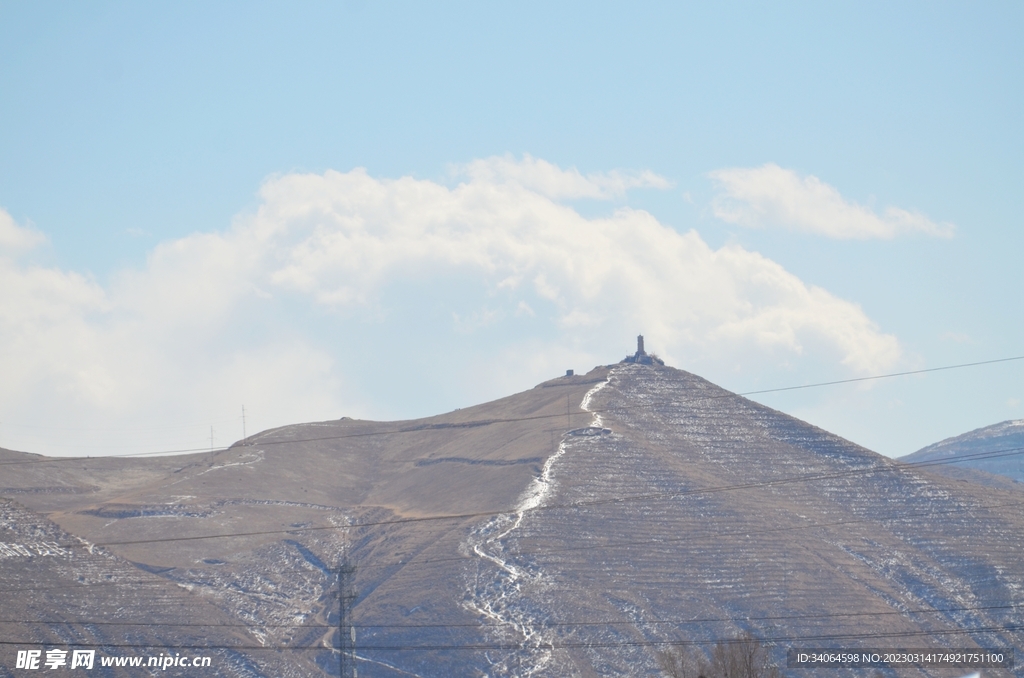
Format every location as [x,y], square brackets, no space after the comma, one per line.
[495,595]
[386,665]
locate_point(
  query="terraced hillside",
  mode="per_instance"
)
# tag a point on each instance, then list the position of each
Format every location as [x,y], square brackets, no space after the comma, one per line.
[573,529]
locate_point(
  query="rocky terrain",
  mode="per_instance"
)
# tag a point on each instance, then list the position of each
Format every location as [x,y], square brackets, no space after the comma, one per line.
[574,529]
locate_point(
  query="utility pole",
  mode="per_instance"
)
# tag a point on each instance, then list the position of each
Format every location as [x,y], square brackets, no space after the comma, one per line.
[243,425]
[211,439]
[785,576]
[346,630]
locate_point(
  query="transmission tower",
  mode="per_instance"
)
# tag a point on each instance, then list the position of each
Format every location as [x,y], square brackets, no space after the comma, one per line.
[346,630]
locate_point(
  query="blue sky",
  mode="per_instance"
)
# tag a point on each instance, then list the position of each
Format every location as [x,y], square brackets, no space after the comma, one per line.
[391,210]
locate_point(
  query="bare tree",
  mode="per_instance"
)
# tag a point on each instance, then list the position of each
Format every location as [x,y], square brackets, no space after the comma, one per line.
[682,663]
[744,657]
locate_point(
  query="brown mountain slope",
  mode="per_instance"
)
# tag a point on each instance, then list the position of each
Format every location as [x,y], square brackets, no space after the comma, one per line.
[489,543]
[291,494]
[723,515]
[60,594]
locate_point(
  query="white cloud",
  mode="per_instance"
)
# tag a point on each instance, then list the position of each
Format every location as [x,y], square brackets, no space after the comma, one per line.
[552,181]
[14,238]
[772,196]
[338,297]
[624,267]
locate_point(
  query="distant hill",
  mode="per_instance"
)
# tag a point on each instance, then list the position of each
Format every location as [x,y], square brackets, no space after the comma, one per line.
[574,529]
[997,449]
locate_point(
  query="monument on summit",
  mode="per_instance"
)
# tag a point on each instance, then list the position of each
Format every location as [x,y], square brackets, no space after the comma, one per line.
[641,356]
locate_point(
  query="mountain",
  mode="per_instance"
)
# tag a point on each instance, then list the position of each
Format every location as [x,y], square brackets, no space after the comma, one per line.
[574,529]
[993,449]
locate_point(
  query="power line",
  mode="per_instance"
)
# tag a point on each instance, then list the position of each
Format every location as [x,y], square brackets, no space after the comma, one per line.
[542,625]
[896,467]
[587,504]
[604,546]
[161,583]
[745,531]
[689,537]
[140,427]
[804,639]
[892,467]
[489,422]
[884,376]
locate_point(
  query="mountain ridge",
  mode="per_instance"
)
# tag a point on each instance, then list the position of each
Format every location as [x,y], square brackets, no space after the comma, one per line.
[990,449]
[571,529]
